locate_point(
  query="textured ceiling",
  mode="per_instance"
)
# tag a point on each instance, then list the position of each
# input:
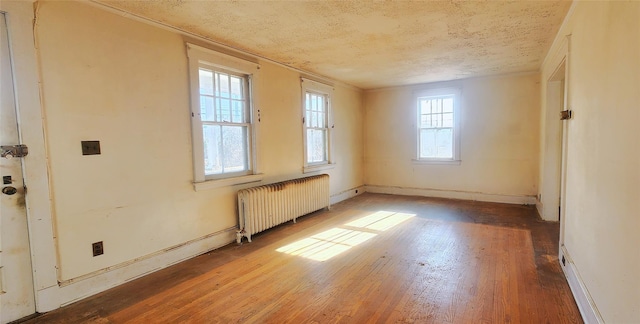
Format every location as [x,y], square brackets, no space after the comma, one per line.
[374,44]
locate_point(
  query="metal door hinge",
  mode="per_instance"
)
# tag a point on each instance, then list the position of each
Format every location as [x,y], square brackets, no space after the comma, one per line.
[11,151]
[565,114]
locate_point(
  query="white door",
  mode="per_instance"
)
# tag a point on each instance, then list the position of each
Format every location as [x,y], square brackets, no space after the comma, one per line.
[16,277]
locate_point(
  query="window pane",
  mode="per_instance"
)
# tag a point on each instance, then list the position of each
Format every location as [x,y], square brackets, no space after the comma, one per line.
[320,103]
[236,87]
[425,121]
[447,120]
[436,143]
[447,105]
[224,85]
[313,103]
[436,120]
[237,111]
[424,107]
[444,143]
[427,143]
[315,111]
[212,145]
[316,145]
[206,108]
[225,110]
[321,120]
[314,119]
[234,139]
[436,105]
[206,82]
[217,109]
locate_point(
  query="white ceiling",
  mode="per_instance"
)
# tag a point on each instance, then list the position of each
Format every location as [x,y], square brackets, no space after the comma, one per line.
[374,44]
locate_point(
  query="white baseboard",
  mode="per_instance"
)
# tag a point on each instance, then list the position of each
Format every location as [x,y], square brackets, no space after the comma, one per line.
[540,208]
[346,194]
[586,305]
[451,194]
[73,290]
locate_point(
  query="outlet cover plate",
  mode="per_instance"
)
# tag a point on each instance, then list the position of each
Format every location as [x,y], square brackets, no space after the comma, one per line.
[90,147]
[98,248]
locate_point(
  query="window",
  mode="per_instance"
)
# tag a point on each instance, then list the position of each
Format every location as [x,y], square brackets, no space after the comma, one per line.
[438,125]
[224,114]
[317,127]
[222,123]
[316,103]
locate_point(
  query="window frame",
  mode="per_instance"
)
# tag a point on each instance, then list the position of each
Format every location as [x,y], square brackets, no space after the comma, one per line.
[218,62]
[456,93]
[317,88]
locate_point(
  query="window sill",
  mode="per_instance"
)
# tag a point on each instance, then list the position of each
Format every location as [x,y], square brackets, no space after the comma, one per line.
[321,167]
[436,162]
[218,183]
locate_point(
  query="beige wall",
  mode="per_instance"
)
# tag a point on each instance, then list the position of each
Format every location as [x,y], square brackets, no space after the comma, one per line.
[125,83]
[602,216]
[499,139]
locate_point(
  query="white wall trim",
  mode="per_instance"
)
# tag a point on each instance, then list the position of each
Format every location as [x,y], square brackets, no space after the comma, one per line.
[558,37]
[540,208]
[82,287]
[346,194]
[453,194]
[586,305]
[317,168]
[226,182]
[22,23]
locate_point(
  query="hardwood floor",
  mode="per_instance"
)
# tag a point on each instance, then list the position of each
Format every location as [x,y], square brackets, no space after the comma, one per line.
[374,258]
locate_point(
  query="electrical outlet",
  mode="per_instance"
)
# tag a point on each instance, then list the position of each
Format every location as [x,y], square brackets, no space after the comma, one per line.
[98,248]
[90,147]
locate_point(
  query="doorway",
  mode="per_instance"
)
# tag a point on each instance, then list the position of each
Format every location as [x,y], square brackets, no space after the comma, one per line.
[16,276]
[556,131]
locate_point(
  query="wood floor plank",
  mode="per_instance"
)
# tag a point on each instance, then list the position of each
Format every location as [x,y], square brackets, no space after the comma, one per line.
[401,260]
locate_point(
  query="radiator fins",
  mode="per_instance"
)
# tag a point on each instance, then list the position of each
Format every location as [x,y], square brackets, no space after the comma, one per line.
[263,207]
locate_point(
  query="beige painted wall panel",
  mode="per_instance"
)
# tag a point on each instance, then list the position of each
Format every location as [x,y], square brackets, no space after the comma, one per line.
[499,139]
[348,139]
[125,83]
[603,165]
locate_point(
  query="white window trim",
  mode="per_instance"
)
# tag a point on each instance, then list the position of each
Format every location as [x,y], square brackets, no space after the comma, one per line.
[457,106]
[225,182]
[314,86]
[318,167]
[199,55]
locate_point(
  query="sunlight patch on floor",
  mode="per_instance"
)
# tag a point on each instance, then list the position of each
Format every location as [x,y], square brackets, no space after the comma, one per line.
[325,245]
[380,221]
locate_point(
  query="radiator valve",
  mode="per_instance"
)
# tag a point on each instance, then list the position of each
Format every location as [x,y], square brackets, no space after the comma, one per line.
[239,235]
